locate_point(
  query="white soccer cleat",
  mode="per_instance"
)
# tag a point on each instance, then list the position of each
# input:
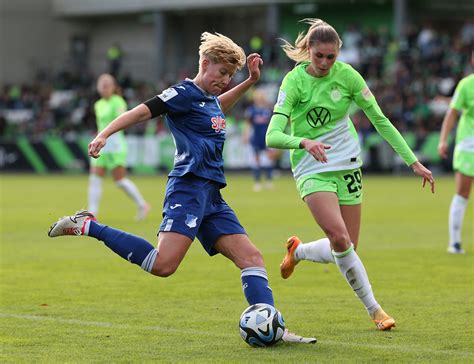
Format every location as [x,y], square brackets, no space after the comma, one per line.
[456,248]
[71,225]
[142,212]
[289,337]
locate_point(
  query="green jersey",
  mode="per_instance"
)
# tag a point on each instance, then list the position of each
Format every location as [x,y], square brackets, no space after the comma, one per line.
[107,110]
[463,100]
[318,109]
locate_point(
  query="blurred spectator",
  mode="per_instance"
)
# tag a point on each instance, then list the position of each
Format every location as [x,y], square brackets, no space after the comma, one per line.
[411,78]
[114,56]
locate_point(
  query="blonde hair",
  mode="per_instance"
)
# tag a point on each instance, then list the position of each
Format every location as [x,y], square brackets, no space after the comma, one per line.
[319,31]
[220,49]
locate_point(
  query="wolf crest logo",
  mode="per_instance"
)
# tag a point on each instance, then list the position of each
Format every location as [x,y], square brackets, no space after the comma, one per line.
[191,221]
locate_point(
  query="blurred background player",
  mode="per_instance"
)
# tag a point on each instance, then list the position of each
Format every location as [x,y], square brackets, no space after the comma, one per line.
[193,205]
[325,154]
[463,159]
[257,117]
[114,155]
[114,56]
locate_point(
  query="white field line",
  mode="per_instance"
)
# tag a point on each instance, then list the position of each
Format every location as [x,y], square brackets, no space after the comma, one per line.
[387,348]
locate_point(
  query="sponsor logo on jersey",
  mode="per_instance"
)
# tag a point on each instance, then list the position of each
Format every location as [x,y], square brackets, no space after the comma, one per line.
[218,123]
[202,104]
[455,96]
[336,95]
[191,221]
[168,94]
[281,98]
[176,205]
[318,115]
[366,93]
[180,157]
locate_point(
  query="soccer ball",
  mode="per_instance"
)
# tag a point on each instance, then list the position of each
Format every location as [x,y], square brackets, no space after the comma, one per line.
[261,325]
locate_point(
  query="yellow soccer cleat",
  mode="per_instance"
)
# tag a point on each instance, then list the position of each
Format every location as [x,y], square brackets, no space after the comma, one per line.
[287,266]
[383,321]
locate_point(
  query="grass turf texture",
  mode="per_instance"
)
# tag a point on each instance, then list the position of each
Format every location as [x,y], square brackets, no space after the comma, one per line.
[71,299]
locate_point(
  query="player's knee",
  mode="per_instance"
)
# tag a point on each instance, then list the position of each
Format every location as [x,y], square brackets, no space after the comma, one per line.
[464,192]
[253,259]
[340,240]
[163,270]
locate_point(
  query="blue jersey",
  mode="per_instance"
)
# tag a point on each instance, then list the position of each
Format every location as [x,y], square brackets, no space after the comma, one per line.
[198,126]
[259,118]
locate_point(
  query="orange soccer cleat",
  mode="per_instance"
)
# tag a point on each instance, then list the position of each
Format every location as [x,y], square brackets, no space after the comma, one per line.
[287,266]
[383,321]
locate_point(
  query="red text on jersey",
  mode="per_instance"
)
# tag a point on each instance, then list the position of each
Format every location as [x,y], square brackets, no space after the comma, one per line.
[218,123]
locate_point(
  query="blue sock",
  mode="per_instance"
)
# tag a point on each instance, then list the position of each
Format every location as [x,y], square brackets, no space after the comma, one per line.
[130,247]
[257,172]
[269,173]
[255,285]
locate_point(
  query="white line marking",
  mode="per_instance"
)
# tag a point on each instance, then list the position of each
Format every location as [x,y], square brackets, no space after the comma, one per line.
[388,348]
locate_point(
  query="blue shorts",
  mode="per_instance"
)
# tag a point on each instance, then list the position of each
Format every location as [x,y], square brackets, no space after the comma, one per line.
[194,207]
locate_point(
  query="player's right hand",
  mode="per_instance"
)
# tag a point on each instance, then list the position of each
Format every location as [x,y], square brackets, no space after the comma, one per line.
[96,145]
[443,149]
[316,149]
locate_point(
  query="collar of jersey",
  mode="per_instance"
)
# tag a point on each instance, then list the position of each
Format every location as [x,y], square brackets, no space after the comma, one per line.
[199,88]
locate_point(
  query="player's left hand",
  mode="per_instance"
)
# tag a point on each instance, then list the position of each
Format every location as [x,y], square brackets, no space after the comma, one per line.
[424,172]
[254,61]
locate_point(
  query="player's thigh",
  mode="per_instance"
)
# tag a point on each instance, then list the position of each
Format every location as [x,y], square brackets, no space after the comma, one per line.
[239,249]
[463,185]
[98,171]
[324,207]
[351,215]
[172,248]
[463,164]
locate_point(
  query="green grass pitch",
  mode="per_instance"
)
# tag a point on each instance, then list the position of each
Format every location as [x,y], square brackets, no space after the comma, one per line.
[70,299]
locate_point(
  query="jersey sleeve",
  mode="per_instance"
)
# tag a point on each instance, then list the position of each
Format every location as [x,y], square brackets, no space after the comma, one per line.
[176,101]
[276,136]
[458,100]
[364,98]
[287,96]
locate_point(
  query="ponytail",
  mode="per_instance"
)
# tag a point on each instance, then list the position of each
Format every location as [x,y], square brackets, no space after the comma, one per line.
[319,31]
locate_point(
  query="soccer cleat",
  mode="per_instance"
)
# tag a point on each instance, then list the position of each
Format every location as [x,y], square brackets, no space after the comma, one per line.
[383,321]
[287,266]
[143,211]
[71,225]
[289,337]
[257,187]
[455,249]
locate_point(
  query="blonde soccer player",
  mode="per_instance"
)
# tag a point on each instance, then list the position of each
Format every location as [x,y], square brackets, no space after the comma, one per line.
[193,205]
[325,154]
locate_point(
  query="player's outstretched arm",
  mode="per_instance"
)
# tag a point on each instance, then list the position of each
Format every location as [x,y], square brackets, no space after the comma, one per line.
[448,124]
[136,115]
[229,98]
[424,172]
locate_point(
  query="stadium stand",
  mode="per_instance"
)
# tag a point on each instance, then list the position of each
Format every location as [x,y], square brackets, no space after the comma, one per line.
[49,120]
